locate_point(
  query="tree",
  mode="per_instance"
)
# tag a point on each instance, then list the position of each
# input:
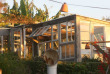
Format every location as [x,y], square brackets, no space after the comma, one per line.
[3,6]
[25,14]
[23,7]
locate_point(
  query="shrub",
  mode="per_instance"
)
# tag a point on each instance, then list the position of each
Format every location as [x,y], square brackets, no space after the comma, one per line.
[36,65]
[86,59]
[10,63]
[72,68]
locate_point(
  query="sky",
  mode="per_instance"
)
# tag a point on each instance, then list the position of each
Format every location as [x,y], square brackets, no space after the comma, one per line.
[84,11]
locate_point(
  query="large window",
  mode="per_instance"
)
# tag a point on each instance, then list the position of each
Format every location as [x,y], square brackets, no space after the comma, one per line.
[67,32]
[84,33]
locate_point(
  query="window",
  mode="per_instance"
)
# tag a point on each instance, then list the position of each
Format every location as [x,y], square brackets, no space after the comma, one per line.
[39,31]
[17,41]
[63,32]
[84,32]
[67,31]
[70,31]
[55,45]
[99,36]
[41,49]
[55,32]
[67,51]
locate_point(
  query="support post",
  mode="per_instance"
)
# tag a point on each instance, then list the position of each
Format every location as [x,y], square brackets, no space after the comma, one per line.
[12,39]
[34,46]
[2,44]
[21,43]
[77,39]
[24,40]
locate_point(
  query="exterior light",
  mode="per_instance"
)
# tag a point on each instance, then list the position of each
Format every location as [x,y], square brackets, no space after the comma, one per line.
[87,46]
[64,8]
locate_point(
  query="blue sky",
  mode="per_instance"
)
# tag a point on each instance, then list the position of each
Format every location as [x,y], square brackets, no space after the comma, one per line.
[89,12]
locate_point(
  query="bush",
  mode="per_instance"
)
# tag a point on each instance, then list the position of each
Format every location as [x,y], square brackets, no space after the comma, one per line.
[72,68]
[36,65]
[86,59]
[10,63]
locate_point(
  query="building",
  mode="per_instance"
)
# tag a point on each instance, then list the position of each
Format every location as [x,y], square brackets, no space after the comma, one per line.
[65,35]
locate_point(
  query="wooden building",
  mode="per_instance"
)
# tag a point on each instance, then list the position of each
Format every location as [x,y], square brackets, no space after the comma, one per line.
[64,35]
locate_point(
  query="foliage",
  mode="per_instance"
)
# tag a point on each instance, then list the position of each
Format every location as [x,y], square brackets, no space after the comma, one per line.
[36,65]
[23,7]
[3,6]
[72,68]
[25,14]
[86,59]
[11,64]
[80,68]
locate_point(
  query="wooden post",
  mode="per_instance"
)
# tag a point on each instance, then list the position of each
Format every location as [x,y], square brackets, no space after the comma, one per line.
[59,39]
[21,43]
[12,39]
[34,46]
[2,44]
[24,41]
[77,39]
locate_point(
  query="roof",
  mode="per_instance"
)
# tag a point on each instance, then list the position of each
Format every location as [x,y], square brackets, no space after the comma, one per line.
[53,22]
[64,19]
[4,31]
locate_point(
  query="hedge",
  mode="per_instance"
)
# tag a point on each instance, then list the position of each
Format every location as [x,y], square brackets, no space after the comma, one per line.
[10,63]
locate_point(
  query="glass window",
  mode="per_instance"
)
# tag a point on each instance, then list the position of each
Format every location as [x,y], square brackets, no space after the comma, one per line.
[17,41]
[67,31]
[56,45]
[41,49]
[84,25]
[85,36]
[47,32]
[72,50]
[5,43]
[47,45]
[63,52]
[40,31]
[55,32]
[67,51]
[99,36]
[63,32]
[70,31]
